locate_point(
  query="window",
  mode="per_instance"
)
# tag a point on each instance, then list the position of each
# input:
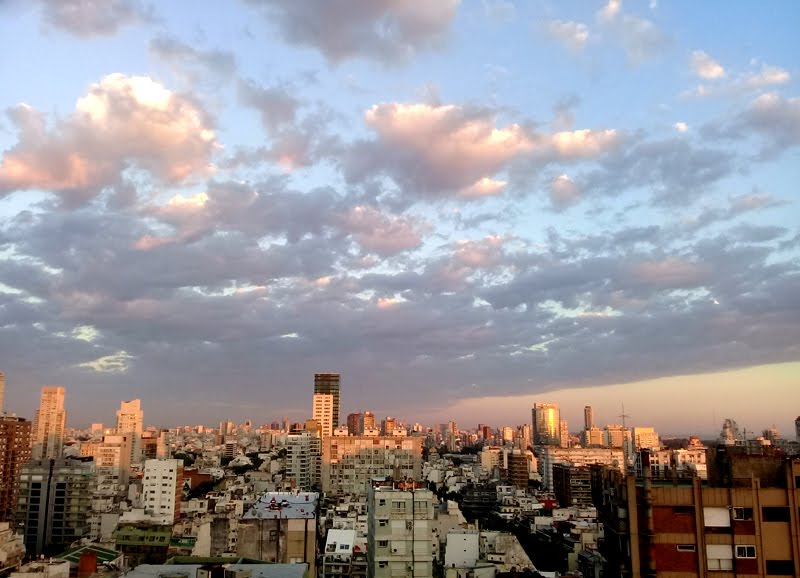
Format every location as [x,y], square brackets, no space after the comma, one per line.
[775,514]
[745,551]
[381,502]
[719,556]
[683,509]
[383,543]
[685,547]
[743,513]
[780,567]
[381,522]
[383,564]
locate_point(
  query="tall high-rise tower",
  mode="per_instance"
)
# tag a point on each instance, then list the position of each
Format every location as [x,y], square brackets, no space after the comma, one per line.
[2,391]
[323,413]
[15,451]
[588,417]
[329,383]
[130,418]
[48,425]
[546,424]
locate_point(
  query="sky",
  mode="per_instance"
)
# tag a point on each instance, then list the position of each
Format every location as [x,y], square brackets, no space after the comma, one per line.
[463,207]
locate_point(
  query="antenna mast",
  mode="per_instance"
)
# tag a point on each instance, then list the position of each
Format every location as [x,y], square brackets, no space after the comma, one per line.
[625,441]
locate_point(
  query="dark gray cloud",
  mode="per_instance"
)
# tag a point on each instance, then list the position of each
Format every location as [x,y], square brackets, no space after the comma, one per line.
[91,18]
[672,171]
[194,66]
[382,30]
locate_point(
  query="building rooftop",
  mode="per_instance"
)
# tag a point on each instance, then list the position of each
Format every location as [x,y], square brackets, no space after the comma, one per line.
[284,505]
[190,570]
[103,554]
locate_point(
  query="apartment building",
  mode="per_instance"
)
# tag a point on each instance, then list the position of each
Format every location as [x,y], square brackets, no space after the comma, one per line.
[400,517]
[161,489]
[15,451]
[743,522]
[53,504]
[350,462]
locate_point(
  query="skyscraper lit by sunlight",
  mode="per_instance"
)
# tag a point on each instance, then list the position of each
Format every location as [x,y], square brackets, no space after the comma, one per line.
[329,383]
[546,424]
[48,425]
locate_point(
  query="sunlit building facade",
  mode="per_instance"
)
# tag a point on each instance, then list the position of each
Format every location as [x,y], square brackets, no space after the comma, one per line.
[546,424]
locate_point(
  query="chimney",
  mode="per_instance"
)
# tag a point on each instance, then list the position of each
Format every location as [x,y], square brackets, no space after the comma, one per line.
[87,564]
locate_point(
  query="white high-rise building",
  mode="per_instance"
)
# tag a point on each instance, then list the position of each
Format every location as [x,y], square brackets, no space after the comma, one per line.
[48,425]
[323,413]
[161,489]
[302,460]
[2,391]
[130,420]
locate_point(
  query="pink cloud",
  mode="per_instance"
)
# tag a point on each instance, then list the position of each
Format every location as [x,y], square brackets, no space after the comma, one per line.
[380,233]
[122,121]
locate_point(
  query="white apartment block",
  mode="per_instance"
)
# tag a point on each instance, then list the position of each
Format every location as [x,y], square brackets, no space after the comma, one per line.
[400,519]
[302,460]
[338,557]
[161,489]
[491,457]
[323,413]
[576,457]
[349,463]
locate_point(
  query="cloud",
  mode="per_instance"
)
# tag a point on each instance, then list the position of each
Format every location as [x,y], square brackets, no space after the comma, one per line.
[610,11]
[384,30]
[671,170]
[486,253]
[681,126]
[123,121]
[193,66]
[573,35]
[640,38]
[773,118]
[705,67]
[752,81]
[382,234]
[276,105]
[115,363]
[92,18]
[564,192]
[448,150]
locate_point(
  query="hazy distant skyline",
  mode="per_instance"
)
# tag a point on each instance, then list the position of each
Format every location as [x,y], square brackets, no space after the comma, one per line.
[461,206]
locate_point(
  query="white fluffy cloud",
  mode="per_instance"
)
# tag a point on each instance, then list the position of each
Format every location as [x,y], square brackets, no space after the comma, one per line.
[123,121]
[706,67]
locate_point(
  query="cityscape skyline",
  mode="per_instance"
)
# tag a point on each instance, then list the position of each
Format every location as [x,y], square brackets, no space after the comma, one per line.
[573,412]
[464,207]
